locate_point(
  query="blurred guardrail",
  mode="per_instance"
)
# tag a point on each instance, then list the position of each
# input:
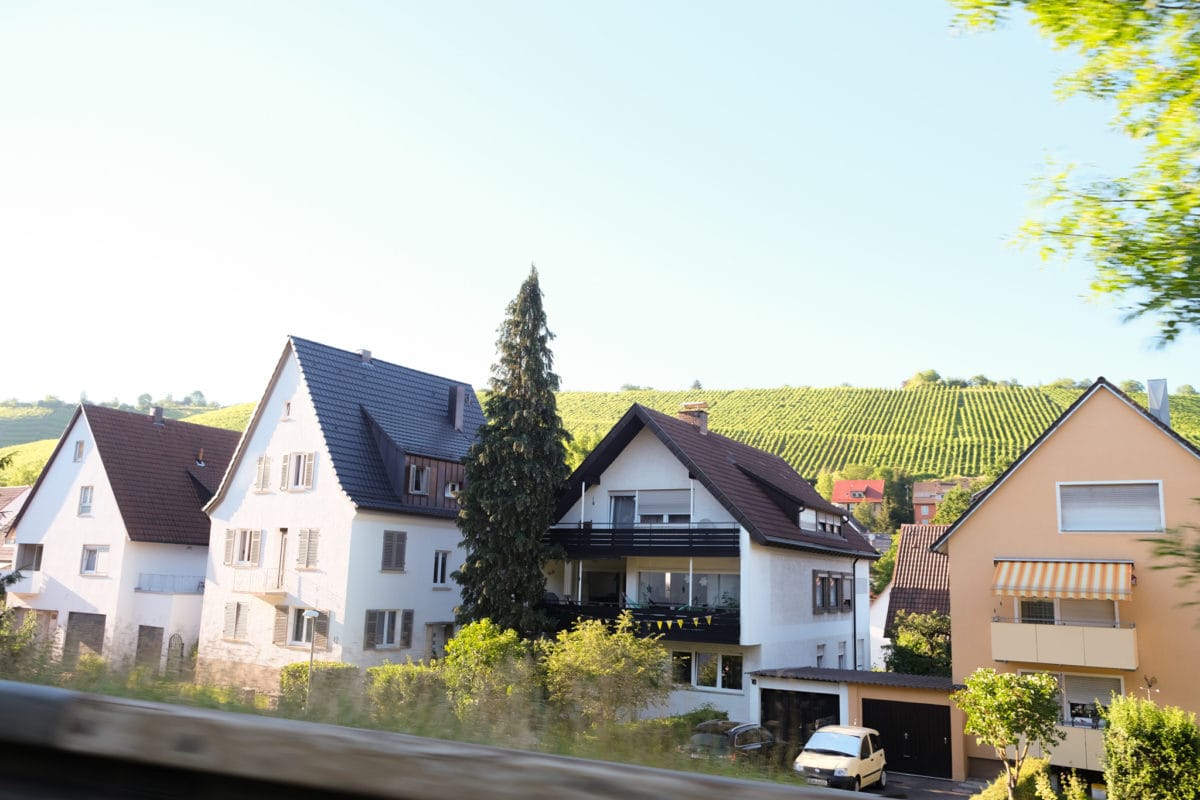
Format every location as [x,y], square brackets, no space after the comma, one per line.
[58,743]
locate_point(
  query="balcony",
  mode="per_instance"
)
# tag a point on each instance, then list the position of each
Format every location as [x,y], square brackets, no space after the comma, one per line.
[266,583]
[681,624]
[169,584]
[1111,646]
[1082,749]
[604,540]
[31,582]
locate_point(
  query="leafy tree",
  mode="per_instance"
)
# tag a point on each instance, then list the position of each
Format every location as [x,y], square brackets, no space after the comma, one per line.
[633,387]
[956,383]
[605,676]
[144,401]
[824,484]
[513,474]
[1140,230]
[865,513]
[897,497]
[856,472]
[696,385]
[1129,387]
[928,377]
[1150,753]
[884,566]
[1179,548]
[580,446]
[1007,710]
[489,675]
[920,644]
[956,501]
[1186,389]
[979,380]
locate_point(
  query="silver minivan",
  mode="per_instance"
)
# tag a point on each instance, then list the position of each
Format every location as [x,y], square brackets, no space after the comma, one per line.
[843,756]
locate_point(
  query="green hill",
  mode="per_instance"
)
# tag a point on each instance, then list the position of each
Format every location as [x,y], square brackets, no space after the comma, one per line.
[20,424]
[932,431]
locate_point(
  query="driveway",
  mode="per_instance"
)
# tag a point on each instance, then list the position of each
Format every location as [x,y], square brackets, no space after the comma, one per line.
[917,787]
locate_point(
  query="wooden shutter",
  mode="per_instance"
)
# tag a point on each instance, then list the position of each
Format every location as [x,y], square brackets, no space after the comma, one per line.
[394,544]
[302,550]
[310,556]
[309,460]
[259,476]
[369,637]
[406,625]
[230,620]
[321,631]
[229,546]
[241,628]
[280,635]
[283,473]
[255,547]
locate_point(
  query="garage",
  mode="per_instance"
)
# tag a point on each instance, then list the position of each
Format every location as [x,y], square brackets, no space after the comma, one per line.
[793,716]
[916,736]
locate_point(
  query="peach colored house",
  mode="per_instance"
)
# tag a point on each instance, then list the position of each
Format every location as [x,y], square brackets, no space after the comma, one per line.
[1049,570]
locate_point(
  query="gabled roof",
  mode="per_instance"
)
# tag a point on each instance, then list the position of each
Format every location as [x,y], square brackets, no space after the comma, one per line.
[871,491]
[921,580]
[758,489]
[935,491]
[1100,385]
[369,410]
[152,468]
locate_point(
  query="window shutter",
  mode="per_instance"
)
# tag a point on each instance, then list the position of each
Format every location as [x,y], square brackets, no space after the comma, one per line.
[258,474]
[230,620]
[406,626]
[283,474]
[1111,507]
[280,635]
[389,550]
[302,550]
[321,631]
[309,460]
[241,628]
[664,501]
[228,546]
[369,633]
[255,546]
[314,538]
[394,543]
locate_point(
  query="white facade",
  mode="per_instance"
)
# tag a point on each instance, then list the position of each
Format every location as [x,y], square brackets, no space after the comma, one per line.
[87,565]
[779,625]
[271,584]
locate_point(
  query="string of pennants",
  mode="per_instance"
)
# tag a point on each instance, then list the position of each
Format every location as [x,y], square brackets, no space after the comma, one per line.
[670,623]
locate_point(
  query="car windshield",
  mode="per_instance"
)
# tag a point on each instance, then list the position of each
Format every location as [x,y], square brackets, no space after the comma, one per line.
[709,741]
[842,744]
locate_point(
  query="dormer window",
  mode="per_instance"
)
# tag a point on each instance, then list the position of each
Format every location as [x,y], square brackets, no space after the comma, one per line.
[452,489]
[418,480]
[858,495]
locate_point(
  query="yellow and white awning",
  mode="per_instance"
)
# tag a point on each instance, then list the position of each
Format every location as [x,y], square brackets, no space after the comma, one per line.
[1085,580]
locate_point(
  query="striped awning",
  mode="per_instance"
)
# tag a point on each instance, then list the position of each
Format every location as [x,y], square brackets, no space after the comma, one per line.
[1087,580]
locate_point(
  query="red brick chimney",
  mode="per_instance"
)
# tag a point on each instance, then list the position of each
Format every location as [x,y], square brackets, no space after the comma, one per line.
[696,414]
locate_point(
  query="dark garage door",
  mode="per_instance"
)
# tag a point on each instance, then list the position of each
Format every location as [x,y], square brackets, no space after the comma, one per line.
[916,736]
[793,716]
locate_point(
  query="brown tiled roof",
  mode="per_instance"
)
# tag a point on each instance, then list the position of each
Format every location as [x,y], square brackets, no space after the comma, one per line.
[872,491]
[921,580]
[860,676]
[10,493]
[760,490]
[936,490]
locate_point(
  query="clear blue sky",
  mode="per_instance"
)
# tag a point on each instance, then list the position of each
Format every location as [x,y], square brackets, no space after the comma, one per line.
[748,194]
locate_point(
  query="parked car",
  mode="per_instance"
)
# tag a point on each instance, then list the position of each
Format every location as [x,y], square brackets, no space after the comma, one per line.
[736,741]
[844,756]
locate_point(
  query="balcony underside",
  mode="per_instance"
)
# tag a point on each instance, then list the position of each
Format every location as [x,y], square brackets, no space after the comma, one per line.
[645,540]
[1108,647]
[676,624]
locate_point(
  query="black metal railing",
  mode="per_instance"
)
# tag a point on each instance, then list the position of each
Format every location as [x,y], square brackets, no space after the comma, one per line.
[614,540]
[676,623]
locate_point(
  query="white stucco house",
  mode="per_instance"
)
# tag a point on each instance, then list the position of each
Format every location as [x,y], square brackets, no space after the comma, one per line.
[112,542]
[341,500]
[720,547]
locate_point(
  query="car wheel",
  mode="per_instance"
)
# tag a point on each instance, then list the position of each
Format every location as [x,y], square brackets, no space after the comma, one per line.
[882,781]
[857,783]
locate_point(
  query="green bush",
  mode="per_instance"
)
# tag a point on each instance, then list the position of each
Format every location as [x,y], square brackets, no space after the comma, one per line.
[1026,782]
[410,697]
[1150,753]
[336,692]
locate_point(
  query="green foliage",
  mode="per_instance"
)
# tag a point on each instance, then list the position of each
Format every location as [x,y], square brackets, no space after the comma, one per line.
[1074,787]
[580,447]
[1179,548]
[1009,710]
[1131,387]
[865,513]
[491,678]
[336,691]
[410,697]
[1032,771]
[21,656]
[1186,389]
[920,644]
[883,567]
[1150,752]
[598,676]
[231,418]
[824,484]
[928,377]
[1139,230]
[956,501]
[513,474]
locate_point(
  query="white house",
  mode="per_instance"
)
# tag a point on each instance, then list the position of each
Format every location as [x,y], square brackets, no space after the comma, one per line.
[111,543]
[720,547]
[340,500]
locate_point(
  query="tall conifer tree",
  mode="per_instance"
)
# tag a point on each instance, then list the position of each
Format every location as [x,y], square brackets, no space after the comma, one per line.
[513,474]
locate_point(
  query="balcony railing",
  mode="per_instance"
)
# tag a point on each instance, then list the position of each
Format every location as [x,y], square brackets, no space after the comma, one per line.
[260,581]
[1065,642]
[170,584]
[30,582]
[676,623]
[614,540]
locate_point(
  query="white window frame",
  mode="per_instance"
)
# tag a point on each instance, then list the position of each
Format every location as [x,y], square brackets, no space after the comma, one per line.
[86,495]
[452,489]
[297,471]
[418,479]
[1162,522]
[78,451]
[720,657]
[245,550]
[99,557]
[393,636]
[306,627]
[441,568]
[1065,717]
[1058,615]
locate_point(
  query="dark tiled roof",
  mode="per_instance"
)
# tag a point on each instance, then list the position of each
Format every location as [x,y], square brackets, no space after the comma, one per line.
[921,581]
[159,487]
[412,408]
[860,676]
[1101,383]
[758,489]
[872,491]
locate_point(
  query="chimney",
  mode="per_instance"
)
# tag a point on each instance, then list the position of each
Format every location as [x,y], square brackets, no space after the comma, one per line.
[200,458]
[1156,390]
[696,414]
[458,401]
[157,414]
[364,356]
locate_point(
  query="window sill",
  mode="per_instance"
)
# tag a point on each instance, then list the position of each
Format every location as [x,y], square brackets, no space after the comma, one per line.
[440,587]
[93,575]
[308,569]
[234,641]
[393,571]
[389,647]
[709,689]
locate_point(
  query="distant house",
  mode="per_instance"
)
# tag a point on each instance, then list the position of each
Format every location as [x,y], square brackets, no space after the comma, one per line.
[333,531]
[720,547]
[112,541]
[12,498]
[920,581]
[850,493]
[928,496]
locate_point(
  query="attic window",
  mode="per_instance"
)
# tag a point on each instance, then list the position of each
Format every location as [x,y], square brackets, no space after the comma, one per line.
[79,450]
[856,494]
[287,409]
[453,488]
[418,480]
